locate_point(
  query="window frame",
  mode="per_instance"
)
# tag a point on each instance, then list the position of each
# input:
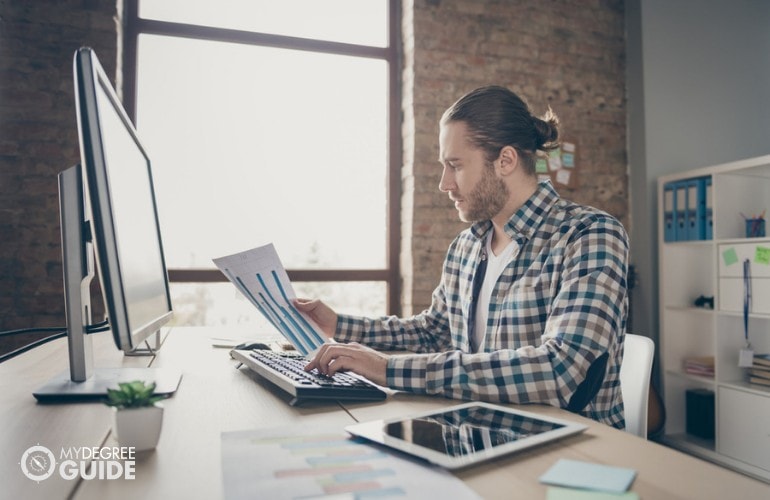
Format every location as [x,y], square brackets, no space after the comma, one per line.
[133,26]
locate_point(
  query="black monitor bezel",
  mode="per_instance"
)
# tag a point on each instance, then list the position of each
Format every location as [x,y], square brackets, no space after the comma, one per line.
[89,73]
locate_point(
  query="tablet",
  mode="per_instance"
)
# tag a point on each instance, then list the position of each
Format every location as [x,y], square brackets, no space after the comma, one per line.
[467,434]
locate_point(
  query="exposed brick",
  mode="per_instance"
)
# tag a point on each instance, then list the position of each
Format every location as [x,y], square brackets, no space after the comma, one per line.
[568,54]
[38,139]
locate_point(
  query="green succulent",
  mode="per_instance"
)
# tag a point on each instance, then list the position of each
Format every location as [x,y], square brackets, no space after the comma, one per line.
[136,394]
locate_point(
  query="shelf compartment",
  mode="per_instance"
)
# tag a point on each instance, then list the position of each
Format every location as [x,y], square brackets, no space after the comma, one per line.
[688,273]
[730,340]
[688,335]
[753,189]
[677,383]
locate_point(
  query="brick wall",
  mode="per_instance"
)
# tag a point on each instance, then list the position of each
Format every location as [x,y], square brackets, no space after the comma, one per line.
[38,139]
[565,53]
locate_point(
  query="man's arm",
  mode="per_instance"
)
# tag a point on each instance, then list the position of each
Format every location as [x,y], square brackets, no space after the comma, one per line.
[425,332]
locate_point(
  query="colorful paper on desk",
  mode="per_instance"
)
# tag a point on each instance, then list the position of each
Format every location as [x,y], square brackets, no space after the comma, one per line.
[307,462]
[260,276]
[589,476]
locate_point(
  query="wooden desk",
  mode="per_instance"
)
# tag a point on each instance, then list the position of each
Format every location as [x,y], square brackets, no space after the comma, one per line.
[214,397]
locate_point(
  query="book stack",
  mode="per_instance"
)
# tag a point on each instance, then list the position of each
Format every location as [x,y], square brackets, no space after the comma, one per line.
[759,373]
[700,365]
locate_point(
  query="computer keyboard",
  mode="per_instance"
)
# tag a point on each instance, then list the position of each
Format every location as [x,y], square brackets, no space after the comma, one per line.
[286,371]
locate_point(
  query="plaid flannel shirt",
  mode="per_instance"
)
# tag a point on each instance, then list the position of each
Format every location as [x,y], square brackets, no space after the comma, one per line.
[559,304]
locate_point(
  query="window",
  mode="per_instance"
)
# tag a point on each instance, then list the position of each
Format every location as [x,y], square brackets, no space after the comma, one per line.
[265,126]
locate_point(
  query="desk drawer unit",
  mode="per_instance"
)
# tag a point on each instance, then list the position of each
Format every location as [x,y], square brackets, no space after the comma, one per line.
[744,427]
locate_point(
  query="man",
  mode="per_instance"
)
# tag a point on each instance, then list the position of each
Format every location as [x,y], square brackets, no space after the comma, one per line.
[532,304]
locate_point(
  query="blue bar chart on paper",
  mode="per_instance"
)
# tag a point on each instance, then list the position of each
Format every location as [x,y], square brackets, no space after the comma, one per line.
[260,276]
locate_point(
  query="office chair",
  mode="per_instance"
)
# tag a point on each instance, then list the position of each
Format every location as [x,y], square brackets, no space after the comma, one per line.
[635,382]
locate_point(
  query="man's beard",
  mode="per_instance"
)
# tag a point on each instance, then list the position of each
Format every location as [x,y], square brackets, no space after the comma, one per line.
[487,198]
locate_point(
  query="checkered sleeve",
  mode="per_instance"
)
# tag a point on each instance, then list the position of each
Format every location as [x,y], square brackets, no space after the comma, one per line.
[587,310]
[424,332]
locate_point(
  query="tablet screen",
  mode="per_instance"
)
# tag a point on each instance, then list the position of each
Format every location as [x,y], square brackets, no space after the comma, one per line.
[462,435]
[467,430]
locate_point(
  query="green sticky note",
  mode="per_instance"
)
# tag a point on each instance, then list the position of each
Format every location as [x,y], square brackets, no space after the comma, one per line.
[557,493]
[541,166]
[762,255]
[730,256]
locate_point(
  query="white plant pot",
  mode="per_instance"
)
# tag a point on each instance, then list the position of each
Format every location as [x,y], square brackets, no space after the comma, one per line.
[138,427]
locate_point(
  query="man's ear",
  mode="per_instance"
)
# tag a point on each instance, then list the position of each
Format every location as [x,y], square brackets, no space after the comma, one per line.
[508,160]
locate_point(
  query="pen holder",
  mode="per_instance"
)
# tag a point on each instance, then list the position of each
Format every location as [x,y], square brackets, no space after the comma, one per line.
[755,228]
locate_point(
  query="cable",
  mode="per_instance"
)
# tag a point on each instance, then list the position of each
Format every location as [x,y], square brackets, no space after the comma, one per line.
[32,345]
[102,326]
[31,330]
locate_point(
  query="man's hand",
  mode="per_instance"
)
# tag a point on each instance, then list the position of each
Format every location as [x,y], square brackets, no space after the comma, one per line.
[319,312]
[354,357]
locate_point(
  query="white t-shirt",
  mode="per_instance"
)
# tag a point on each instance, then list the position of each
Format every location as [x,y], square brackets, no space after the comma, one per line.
[495,266]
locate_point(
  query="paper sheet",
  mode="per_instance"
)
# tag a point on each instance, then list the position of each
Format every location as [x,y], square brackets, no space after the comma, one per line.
[302,462]
[260,276]
[589,476]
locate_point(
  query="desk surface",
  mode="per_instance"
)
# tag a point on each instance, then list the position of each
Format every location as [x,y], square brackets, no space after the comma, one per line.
[215,397]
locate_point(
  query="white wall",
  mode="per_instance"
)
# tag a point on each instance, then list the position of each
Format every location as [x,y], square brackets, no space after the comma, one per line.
[698,94]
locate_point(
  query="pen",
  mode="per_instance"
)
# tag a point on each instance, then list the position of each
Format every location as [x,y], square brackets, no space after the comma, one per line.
[746,297]
[756,224]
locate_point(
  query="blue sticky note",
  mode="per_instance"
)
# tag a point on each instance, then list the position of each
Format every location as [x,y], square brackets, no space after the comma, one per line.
[589,476]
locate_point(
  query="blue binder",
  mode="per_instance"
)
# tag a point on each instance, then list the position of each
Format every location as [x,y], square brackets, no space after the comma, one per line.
[688,210]
[708,210]
[669,205]
[680,211]
[693,217]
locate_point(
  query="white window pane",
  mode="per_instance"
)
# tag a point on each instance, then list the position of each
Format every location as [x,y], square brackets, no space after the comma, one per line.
[252,145]
[220,304]
[361,298]
[362,22]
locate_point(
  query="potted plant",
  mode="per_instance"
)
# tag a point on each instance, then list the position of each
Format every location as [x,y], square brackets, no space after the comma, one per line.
[137,415]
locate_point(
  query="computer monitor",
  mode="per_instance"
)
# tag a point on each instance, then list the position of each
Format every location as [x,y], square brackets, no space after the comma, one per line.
[108,202]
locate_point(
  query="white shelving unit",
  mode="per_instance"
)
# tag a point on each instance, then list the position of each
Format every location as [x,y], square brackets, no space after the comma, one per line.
[689,269]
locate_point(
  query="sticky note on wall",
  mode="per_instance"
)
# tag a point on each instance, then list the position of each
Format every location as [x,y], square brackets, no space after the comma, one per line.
[762,255]
[730,256]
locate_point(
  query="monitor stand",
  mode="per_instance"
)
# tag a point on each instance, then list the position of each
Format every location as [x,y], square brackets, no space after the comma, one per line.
[62,389]
[83,381]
